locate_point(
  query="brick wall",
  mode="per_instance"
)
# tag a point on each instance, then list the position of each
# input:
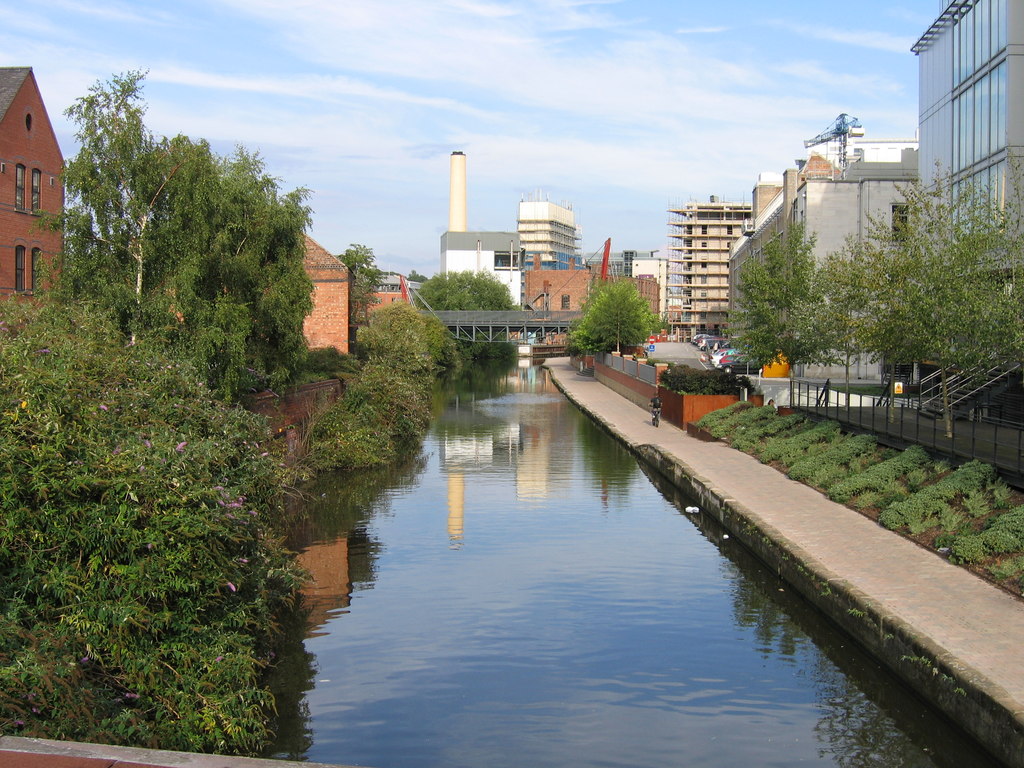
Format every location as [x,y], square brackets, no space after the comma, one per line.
[327,325]
[295,406]
[556,283]
[27,139]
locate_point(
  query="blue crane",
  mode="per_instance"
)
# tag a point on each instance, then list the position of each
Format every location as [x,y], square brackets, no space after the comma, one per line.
[839,131]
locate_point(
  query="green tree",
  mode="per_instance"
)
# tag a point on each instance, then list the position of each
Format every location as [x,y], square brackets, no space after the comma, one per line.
[936,281]
[177,243]
[364,281]
[466,291]
[402,336]
[614,314]
[416,277]
[776,300]
[839,315]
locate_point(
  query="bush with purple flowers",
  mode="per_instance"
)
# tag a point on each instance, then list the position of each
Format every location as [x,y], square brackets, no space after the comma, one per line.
[138,544]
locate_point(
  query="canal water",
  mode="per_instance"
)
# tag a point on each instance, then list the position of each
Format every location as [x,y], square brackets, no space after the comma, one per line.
[522,594]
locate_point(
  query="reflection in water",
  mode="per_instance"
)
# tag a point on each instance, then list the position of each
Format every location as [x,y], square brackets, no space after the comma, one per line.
[858,699]
[520,594]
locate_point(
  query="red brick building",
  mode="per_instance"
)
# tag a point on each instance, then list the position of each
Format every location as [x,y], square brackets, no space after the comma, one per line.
[557,290]
[327,325]
[30,168]
[567,289]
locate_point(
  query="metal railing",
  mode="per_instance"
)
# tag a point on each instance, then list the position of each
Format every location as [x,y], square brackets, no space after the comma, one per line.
[905,425]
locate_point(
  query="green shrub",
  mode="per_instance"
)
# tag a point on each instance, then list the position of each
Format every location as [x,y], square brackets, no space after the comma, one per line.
[791,447]
[920,511]
[138,542]
[836,454]
[384,413]
[977,503]
[1004,534]
[720,423]
[1011,568]
[750,440]
[880,475]
[698,381]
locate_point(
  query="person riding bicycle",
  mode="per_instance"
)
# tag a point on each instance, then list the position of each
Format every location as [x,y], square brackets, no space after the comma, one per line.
[656,407]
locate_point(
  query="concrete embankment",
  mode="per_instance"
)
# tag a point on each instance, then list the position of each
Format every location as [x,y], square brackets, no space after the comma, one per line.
[18,752]
[952,637]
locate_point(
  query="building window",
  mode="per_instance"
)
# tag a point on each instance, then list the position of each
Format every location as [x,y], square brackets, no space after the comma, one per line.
[900,216]
[37,263]
[37,183]
[565,301]
[19,188]
[19,268]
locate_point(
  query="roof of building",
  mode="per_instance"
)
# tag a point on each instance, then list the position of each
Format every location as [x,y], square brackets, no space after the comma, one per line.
[318,257]
[950,16]
[11,80]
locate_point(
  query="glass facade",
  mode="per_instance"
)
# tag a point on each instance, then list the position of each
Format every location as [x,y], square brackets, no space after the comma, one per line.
[964,95]
[978,37]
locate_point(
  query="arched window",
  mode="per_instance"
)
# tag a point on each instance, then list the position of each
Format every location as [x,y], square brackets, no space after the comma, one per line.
[37,183]
[19,268]
[19,187]
[37,264]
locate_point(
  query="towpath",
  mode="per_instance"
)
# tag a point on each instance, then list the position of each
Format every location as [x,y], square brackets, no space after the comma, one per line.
[972,627]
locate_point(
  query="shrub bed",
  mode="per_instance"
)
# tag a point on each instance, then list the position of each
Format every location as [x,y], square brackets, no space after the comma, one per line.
[138,542]
[967,513]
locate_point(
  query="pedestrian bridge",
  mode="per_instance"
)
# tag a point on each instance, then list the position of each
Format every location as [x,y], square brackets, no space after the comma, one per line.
[505,326]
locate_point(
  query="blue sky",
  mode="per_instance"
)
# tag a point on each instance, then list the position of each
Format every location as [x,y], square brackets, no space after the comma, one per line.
[620,107]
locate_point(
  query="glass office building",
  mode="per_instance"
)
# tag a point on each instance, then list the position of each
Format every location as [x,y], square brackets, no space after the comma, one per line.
[971,81]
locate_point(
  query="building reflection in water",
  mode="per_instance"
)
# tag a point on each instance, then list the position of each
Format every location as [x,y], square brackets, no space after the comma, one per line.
[508,429]
[329,589]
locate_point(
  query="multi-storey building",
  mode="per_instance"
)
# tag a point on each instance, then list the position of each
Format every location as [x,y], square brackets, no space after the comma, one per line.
[971,65]
[654,266]
[700,238]
[30,167]
[549,236]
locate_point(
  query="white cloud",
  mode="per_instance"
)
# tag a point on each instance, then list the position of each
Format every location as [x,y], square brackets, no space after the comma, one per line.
[861,38]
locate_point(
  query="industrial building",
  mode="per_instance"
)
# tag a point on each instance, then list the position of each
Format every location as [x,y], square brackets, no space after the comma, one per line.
[499,253]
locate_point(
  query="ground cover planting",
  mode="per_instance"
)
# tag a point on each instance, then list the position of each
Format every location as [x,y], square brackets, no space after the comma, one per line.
[965,513]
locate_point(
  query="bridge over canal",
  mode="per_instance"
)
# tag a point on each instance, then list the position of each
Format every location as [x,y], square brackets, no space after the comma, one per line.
[515,326]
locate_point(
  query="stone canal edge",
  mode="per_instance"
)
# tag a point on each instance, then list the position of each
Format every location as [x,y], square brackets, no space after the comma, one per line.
[970,697]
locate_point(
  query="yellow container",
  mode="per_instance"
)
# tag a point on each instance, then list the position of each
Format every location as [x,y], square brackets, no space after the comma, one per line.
[777,369]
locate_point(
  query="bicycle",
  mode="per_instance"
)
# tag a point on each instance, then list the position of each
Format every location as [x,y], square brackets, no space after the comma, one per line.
[655,416]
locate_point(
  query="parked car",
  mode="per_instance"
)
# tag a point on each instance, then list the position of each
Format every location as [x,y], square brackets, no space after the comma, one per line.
[739,365]
[716,356]
[709,342]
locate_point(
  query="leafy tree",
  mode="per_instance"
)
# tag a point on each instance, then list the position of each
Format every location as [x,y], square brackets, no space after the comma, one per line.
[615,314]
[839,315]
[466,291]
[776,300]
[935,282]
[177,243]
[416,277]
[364,280]
[403,336]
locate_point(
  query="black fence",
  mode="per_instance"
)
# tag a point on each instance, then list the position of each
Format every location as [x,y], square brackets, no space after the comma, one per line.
[904,424]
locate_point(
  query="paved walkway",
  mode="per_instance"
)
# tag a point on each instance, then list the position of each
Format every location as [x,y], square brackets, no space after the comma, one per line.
[977,628]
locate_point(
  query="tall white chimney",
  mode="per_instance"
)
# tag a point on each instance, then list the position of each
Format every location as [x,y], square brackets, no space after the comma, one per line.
[457,194]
